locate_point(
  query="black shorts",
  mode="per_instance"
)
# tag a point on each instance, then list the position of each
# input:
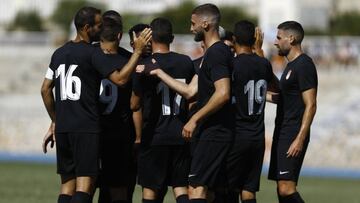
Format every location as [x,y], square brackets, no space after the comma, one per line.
[77,154]
[244,164]
[208,164]
[117,161]
[163,165]
[281,167]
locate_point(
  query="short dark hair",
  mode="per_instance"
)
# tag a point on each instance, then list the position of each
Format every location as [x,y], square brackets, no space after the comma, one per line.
[210,10]
[110,33]
[294,27]
[227,36]
[112,18]
[137,28]
[244,32]
[162,30]
[85,15]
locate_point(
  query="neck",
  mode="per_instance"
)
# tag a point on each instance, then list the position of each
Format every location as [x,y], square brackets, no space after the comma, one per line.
[294,52]
[211,37]
[241,49]
[109,47]
[81,37]
[160,48]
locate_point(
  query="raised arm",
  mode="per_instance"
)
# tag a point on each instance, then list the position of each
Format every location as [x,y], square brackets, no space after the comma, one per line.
[122,76]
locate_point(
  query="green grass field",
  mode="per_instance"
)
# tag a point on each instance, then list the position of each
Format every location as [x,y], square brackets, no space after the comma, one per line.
[38,183]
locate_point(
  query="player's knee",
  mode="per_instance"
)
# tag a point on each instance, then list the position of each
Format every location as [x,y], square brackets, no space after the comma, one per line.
[85,184]
[198,192]
[247,195]
[286,188]
[178,191]
[149,194]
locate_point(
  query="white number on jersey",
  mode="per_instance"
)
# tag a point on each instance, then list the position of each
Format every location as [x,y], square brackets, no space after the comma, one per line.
[164,89]
[256,92]
[109,97]
[70,86]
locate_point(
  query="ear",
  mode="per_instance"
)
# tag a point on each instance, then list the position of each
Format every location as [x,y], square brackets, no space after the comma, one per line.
[86,28]
[205,25]
[292,39]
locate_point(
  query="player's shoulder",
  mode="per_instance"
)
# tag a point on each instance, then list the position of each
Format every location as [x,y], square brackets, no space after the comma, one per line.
[124,52]
[182,57]
[304,62]
[219,48]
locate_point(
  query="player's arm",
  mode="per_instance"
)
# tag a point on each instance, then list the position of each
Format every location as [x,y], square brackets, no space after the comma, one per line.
[272,94]
[188,91]
[122,76]
[220,97]
[49,102]
[309,98]
[137,116]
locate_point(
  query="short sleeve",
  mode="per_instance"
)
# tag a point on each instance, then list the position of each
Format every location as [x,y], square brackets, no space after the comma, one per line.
[50,70]
[219,61]
[307,76]
[269,72]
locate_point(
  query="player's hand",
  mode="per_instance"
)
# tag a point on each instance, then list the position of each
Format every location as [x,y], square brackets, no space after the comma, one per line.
[49,138]
[151,68]
[141,41]
[295,148]
[189,129]
[259,39]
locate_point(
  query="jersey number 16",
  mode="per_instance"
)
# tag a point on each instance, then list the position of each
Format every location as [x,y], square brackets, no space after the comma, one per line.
[70,86]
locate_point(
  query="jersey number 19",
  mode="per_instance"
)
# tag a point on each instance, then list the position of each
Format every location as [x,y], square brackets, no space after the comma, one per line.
[256,93]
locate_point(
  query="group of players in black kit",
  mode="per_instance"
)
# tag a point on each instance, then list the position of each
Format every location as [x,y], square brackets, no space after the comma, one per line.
[195,126]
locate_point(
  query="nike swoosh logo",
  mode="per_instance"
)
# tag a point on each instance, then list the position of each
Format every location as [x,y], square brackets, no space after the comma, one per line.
[283,172]
[192,175]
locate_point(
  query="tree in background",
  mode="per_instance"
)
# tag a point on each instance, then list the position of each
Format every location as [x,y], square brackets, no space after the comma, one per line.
[26,21]
[66,9]
[346,24]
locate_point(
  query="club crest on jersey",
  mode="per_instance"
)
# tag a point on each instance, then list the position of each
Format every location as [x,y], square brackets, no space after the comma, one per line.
[288,75]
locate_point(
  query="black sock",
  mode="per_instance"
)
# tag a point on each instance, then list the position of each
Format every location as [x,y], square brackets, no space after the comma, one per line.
[293,198]
[182,199]
[149,201]
[64,198]
[249,201]
[197,200]
[81,197]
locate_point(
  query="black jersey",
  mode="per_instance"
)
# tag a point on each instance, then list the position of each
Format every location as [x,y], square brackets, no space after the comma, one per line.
[216,65]
[197,63]
[116,115]
[77,84]
[250,78]
[164,111]
[298,76]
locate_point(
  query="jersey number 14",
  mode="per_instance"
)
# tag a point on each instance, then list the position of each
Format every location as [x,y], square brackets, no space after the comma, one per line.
[164,89]
[70,86]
